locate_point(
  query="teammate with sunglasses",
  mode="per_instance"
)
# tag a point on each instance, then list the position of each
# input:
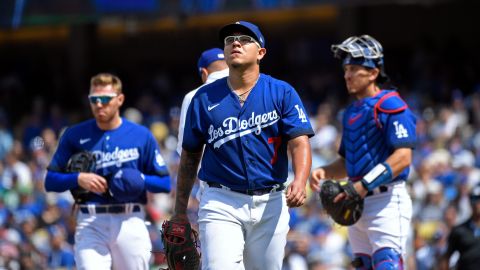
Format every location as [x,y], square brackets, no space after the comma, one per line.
[245,123]
[111,231]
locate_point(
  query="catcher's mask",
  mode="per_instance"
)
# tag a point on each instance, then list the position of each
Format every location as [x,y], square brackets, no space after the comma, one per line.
[363,51]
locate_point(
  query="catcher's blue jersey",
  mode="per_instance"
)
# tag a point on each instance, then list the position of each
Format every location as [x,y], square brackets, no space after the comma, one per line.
[128,146]
[245,146]
[373,128]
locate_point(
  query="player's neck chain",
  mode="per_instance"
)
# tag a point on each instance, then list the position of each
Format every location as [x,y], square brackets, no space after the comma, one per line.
[241,97]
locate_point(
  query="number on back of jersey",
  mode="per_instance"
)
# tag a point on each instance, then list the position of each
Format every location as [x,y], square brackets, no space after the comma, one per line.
[301,114]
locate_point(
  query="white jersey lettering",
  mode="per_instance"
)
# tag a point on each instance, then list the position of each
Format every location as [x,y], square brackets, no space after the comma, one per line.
[232,127]
[117,157]
[301,114]
[400,130]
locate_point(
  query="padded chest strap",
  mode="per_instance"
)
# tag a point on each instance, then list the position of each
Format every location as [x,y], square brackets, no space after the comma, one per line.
[388,103]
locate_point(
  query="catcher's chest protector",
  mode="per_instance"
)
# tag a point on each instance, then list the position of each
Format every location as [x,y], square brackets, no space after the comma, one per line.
[363,139]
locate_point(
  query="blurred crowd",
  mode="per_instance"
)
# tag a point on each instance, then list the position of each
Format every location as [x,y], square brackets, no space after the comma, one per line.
[445,168]
[37,228]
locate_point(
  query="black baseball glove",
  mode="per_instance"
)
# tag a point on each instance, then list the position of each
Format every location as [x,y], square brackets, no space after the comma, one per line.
[347,211]
[180,242]
[81,162]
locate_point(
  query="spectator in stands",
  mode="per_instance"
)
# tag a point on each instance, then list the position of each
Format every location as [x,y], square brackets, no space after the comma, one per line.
[465,238]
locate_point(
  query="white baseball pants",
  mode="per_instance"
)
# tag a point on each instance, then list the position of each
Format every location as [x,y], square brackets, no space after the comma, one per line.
[385,222]
[112,241]
[239,231]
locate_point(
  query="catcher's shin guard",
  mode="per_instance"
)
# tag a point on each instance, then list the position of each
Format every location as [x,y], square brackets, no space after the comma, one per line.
[387,259]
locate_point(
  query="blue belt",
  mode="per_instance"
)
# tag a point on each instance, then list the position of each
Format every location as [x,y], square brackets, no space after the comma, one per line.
[110,209]
[251,192]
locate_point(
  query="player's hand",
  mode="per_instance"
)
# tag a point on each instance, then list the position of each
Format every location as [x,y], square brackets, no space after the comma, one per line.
[92,182]
[316,178]
[296,194]
[340,197]
[180,218]
[359,188]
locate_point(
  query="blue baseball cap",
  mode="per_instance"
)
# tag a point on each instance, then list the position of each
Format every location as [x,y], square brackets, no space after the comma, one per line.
[127,185]
[209,56]
[244,27]
[366,62]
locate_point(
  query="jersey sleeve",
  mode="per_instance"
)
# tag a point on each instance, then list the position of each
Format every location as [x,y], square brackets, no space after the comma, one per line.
[63,153]
[294,118]
[154,163]
[183,114]
[193,139]
[401,129]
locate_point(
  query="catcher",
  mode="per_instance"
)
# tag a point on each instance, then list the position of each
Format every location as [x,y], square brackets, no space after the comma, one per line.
[113,163]
[375,154]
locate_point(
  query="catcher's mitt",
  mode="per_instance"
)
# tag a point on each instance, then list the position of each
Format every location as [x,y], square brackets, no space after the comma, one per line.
[180,242]
[345,212]
[81,162]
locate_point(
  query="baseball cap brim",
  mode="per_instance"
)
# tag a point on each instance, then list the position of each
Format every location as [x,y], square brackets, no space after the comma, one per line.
[368,63]
[229,29]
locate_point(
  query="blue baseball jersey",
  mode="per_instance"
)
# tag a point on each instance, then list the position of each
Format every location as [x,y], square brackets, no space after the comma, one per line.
[245,146]
[128,146]
[373,128]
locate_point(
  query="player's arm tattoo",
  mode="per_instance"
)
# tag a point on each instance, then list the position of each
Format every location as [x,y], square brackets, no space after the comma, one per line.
[186,177]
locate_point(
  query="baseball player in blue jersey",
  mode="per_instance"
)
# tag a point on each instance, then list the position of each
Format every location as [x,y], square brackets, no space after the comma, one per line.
[211,67]
[111,231]
[375,153]
[246,122]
